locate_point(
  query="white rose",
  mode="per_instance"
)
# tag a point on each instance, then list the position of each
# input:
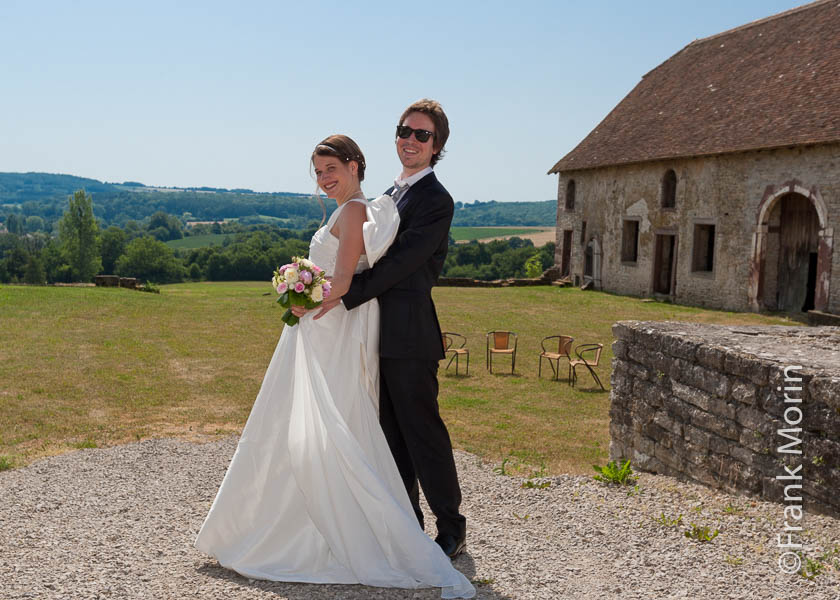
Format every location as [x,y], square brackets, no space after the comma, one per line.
[291,275]
[317,293]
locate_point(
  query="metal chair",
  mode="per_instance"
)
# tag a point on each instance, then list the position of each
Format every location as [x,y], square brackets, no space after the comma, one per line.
[588,363]
[455,343]
[498,342]
[564,349]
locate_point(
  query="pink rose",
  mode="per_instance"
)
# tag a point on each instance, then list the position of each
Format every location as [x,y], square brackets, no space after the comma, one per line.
[299,287]
[295,265]
[306,277]
[327,287]
[316,268]
[281,289]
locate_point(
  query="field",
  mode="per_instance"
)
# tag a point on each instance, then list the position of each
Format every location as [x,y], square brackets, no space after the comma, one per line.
[539,235]
[88,367]
[199,241]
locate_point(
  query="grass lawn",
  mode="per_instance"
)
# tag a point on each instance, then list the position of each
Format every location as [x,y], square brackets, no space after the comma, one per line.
[87,367]
[480,233]
[199,241]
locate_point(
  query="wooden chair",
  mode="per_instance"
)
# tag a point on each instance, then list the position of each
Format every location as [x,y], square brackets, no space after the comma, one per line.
[564,349]
[499,342]
[455,343]
[589,363]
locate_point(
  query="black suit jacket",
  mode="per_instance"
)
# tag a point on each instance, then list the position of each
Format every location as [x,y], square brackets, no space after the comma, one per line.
[403,278]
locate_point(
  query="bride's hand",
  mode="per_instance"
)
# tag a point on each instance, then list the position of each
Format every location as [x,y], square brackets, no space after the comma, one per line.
[299,311]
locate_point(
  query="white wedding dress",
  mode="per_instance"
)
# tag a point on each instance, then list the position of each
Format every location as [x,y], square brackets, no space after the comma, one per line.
[312,493]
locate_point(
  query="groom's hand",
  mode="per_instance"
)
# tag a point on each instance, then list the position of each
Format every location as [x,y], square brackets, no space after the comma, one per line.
[327,306]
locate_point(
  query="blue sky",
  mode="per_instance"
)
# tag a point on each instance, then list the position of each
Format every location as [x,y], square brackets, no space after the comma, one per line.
[236,94]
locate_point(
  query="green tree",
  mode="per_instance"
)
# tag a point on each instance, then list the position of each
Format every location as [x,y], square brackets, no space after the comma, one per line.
[498,259]
[133,230]
[79,234]
[160,233]
[34,223]
[150,259]
[511,262]
[14,224]
[15,263]
[34,273]
[113,246]
[165,227]
[546,255]
[55,263]
[219,268]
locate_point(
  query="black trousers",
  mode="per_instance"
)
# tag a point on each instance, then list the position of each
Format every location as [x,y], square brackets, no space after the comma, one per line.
[419,440]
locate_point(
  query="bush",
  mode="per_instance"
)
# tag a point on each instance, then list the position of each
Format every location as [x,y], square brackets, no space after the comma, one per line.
[533,266]
[613,473]
[149,287]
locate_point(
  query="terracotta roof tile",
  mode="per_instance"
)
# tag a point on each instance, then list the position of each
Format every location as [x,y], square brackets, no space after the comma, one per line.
[770,83]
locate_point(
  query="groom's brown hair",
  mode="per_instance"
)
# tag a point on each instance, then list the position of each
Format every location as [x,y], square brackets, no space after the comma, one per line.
[434,111]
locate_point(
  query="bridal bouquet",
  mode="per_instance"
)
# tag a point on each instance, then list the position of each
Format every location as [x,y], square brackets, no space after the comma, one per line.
[299,283]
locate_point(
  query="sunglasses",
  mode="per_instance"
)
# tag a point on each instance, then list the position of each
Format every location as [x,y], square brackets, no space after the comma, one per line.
[421,135]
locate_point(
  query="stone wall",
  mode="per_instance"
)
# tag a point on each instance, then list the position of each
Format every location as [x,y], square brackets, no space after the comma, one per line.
[548,277]
[731,192]
[707,403]
[467,282]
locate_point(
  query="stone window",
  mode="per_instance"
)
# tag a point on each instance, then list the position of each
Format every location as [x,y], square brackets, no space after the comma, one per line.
[583,233]
[669,189]
[630,241]
[570,195]
[703,253]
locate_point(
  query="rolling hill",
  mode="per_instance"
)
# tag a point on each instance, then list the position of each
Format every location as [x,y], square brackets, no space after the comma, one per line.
[45,195]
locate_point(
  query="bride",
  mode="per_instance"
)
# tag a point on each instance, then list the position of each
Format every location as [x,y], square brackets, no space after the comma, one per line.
[312,493]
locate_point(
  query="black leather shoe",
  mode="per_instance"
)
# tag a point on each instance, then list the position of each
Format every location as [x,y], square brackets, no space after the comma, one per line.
[451,545]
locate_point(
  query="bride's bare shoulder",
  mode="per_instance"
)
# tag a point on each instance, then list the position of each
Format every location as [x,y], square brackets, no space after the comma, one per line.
[350,219]
[353,212]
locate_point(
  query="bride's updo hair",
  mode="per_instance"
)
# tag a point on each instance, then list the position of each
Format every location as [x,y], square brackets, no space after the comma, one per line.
[344,149]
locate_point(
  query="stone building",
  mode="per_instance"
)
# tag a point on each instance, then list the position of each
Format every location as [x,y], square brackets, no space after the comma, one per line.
[716,180]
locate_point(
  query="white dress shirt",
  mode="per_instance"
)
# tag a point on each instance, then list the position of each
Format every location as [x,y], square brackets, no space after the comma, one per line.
[401,185]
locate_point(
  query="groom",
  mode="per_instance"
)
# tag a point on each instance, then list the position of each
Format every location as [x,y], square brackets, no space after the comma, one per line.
[410,338]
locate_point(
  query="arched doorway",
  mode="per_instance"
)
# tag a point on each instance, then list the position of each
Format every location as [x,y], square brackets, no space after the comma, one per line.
[791,258]
[791,262]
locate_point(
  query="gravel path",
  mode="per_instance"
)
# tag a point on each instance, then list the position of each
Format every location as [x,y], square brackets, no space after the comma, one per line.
[119,523]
